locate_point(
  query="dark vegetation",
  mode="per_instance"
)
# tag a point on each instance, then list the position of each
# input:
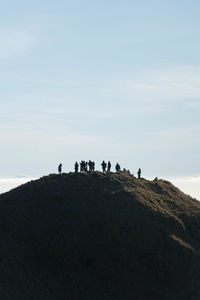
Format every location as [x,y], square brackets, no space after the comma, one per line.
[98,236]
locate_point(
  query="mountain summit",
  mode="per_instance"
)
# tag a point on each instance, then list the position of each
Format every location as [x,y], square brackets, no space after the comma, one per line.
[99,237]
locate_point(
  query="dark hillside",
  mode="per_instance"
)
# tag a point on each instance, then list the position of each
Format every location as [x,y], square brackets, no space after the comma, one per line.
[97,236]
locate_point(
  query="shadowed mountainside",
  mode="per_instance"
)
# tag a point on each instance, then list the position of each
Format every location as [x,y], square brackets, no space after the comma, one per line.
[97,236]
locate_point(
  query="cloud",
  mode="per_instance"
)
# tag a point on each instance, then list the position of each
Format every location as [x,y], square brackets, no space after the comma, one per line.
[53,139]
[136,92]
[15,43]
[189,185]
[176,138]
[6,184]
[166,82]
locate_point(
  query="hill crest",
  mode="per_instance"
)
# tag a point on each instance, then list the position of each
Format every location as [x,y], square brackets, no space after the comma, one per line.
[99,236]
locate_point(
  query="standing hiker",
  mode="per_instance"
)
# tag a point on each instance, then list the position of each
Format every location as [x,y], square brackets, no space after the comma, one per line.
[76,167]
[117,167]
[90,166]
[93,166]
[139,173]
[109,167]
[103,166]
[60,168]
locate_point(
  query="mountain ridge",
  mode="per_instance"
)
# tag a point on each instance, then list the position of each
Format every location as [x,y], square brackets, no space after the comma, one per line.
[99,236]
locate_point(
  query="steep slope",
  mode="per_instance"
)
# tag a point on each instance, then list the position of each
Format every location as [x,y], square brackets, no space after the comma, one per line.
[97,236]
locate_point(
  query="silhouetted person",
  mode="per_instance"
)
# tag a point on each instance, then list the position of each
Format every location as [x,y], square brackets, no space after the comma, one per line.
[60,168]
[90,166]
[76,167]
[103,166]
[93,166]
[117,167]
[85,166]
[139,173]
[82,166]
[109,166]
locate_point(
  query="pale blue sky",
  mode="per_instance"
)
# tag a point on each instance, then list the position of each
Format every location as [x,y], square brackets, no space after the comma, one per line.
[112,80]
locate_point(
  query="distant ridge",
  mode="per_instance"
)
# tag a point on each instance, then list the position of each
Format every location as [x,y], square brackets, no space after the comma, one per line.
[97,236]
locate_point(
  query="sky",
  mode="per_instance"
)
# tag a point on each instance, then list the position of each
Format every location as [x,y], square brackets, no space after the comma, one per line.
[113,80]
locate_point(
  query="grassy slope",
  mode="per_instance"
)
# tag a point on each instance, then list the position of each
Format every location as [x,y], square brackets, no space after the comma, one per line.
[79,236]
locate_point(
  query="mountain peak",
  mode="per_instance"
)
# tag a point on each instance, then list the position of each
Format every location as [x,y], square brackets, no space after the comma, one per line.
[99,236]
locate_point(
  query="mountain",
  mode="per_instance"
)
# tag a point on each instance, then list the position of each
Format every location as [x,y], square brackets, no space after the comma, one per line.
[99,237]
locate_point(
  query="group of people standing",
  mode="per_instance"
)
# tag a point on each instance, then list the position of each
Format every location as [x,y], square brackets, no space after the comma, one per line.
[85,166]
[90,167]
[105,165]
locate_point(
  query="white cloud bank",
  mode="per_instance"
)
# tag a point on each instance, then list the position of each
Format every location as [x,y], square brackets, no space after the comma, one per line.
[189,185]
[6,184]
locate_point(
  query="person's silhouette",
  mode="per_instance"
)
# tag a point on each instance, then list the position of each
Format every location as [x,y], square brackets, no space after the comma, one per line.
[76,167]
[60,168]
[117,167]
[103,166]
[109,166]
[139,173]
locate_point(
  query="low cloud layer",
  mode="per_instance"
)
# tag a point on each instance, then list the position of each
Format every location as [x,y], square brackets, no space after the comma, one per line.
[6,184]
[189,185]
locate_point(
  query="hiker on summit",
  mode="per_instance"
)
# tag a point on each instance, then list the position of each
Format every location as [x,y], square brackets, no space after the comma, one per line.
[93,166]
[109,167]
[82,166]
[60,168]
[86,166]
[90,166]
[76,167]
[117,167]
[139,173]
[103,166]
